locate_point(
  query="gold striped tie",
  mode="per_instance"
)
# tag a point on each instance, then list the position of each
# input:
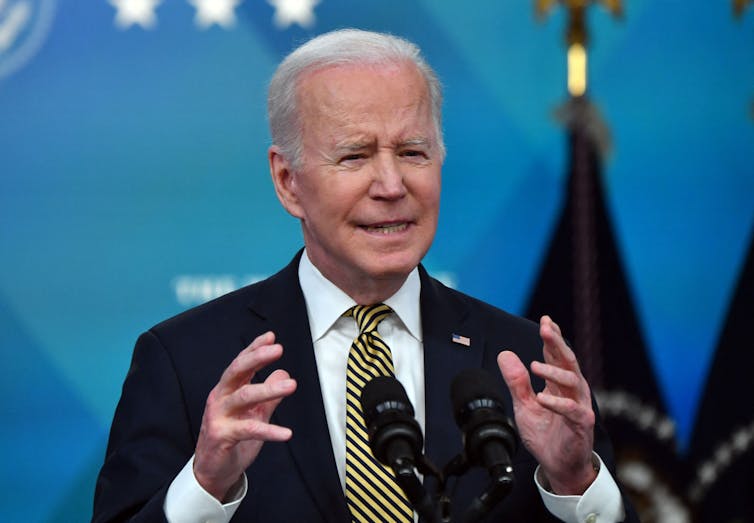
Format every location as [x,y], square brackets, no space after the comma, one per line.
[371,491]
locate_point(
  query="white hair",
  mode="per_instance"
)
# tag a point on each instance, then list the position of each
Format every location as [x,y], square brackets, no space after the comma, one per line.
[345,46]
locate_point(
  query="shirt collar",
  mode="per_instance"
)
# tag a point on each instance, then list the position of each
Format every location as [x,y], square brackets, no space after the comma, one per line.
[325,302]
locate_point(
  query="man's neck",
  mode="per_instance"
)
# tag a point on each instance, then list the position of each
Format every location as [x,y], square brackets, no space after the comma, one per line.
[368,291]
[326,302]
[364,291]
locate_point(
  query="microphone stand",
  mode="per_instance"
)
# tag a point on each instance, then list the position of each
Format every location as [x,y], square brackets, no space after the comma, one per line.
[499,486]
[429,511]
[501,483]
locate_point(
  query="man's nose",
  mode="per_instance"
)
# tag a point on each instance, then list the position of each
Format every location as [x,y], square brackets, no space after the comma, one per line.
[388,180]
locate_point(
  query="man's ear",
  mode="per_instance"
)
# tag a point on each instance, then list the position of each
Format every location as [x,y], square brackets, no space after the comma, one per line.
[285,182]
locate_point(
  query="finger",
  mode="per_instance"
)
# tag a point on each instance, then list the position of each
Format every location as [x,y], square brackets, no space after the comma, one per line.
[267,338]
[280,379]
[260,428]
[263,340]
[561,382]
[547,319]
[516,377]
[261,397]
[248,362]
[575,412]
[256,429]
[562,378]
[556,351]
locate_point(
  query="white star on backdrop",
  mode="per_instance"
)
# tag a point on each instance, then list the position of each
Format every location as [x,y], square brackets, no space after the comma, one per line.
[289,12]
[220,12]
[132,12]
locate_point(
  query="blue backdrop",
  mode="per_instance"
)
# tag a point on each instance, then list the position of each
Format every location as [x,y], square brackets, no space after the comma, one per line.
[134,184]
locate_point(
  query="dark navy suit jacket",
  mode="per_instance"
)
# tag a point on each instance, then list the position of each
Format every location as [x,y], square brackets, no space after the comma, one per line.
[177,363]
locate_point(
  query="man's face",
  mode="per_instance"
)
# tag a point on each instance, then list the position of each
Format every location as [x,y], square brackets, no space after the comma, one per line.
[368,189]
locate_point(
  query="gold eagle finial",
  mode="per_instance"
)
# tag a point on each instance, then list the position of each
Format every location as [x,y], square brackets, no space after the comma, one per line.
[576,35]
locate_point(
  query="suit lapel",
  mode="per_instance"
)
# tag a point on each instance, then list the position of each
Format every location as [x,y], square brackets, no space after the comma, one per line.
[444,314]
[280,302]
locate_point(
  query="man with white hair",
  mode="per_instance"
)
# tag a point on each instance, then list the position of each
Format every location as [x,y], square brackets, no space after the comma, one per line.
[246,407]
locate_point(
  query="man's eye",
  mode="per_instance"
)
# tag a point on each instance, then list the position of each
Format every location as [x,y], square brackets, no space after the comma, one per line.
[412,153]
[353,157]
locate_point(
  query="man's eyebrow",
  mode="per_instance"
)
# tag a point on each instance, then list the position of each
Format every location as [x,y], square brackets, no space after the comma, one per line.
[352,145]
[415,142]
[358,145]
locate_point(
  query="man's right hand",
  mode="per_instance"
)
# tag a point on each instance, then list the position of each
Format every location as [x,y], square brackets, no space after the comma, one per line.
[236,417]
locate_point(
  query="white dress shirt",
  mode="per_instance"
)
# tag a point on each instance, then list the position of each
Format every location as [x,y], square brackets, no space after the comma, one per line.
[332,335]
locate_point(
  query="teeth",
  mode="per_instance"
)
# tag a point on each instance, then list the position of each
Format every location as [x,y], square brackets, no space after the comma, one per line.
[387,229]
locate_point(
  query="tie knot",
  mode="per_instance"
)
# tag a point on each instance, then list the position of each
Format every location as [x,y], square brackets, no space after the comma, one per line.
[368,316]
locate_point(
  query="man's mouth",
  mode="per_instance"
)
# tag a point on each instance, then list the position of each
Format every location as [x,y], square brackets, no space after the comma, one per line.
[386,228]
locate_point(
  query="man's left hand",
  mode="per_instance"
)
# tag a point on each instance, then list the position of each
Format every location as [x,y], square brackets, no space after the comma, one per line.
[557,424]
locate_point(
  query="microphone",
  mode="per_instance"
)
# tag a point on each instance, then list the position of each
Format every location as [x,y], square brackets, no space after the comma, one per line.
[396,439]
[394,435]
[489,437]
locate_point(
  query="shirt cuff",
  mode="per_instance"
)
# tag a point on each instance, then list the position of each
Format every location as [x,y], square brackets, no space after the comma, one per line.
[600,503]
[187,502]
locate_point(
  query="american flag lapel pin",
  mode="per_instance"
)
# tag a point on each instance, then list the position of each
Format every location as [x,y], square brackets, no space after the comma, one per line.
[461,340]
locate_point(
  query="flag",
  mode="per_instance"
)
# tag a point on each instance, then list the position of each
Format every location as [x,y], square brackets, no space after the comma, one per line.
[583,287]
[461,340]
[722,446]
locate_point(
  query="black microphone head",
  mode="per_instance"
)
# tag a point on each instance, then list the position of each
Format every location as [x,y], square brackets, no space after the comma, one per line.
[471,389]
[381,394]
[389,416]
[479,411]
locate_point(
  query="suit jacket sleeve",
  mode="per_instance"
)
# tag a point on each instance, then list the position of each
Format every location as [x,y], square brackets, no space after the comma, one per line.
[150,439]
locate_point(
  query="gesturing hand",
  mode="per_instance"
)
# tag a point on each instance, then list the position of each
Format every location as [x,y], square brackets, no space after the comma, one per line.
[557,424]
[236,417]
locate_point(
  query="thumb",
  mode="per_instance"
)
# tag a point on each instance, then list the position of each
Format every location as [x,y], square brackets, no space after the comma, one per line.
[278,376]
[516,377]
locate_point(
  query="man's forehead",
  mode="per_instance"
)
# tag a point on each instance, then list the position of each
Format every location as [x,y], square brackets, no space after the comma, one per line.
[335,83]
[349,105]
